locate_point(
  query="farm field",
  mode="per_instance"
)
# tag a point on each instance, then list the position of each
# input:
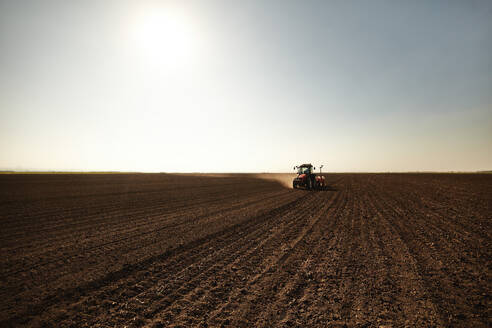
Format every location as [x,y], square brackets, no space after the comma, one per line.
[168,250]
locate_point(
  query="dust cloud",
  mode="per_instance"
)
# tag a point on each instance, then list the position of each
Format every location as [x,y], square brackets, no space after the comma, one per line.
[284,178]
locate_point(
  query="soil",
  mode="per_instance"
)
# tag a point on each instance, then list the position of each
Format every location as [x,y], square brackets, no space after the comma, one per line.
[162,250]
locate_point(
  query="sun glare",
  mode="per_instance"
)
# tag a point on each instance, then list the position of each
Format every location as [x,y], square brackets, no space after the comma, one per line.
[163,35]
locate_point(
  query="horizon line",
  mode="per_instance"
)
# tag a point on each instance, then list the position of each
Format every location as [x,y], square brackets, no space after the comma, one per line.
[196,172]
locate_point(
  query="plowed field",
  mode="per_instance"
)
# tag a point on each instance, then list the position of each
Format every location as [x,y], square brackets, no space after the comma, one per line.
[164,250]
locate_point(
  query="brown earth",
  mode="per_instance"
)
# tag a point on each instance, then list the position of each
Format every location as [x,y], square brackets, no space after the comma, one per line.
[158,250]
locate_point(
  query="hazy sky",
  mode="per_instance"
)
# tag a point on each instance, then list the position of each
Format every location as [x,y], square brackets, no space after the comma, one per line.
[225,86]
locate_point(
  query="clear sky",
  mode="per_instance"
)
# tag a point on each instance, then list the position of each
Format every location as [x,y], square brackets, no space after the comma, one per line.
[245,86]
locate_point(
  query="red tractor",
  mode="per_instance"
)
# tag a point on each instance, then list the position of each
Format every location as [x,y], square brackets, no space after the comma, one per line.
[306,178]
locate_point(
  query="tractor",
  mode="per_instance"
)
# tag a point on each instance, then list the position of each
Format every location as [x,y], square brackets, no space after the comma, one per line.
[306,178]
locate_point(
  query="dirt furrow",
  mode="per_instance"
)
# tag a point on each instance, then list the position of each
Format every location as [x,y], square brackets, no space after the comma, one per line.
[294,299]
[216,281]
[126,270]
[373,250]
[84,243]
[441,268]
[408,291]
[63,217]
[272,268]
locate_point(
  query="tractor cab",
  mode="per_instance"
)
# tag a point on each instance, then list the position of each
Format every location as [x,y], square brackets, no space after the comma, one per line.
[305,169]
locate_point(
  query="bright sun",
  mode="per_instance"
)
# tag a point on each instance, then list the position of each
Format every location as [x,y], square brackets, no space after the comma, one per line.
[164,35]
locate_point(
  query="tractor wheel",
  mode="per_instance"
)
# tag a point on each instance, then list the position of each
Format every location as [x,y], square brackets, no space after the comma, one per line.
[309,184]
[294,185]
